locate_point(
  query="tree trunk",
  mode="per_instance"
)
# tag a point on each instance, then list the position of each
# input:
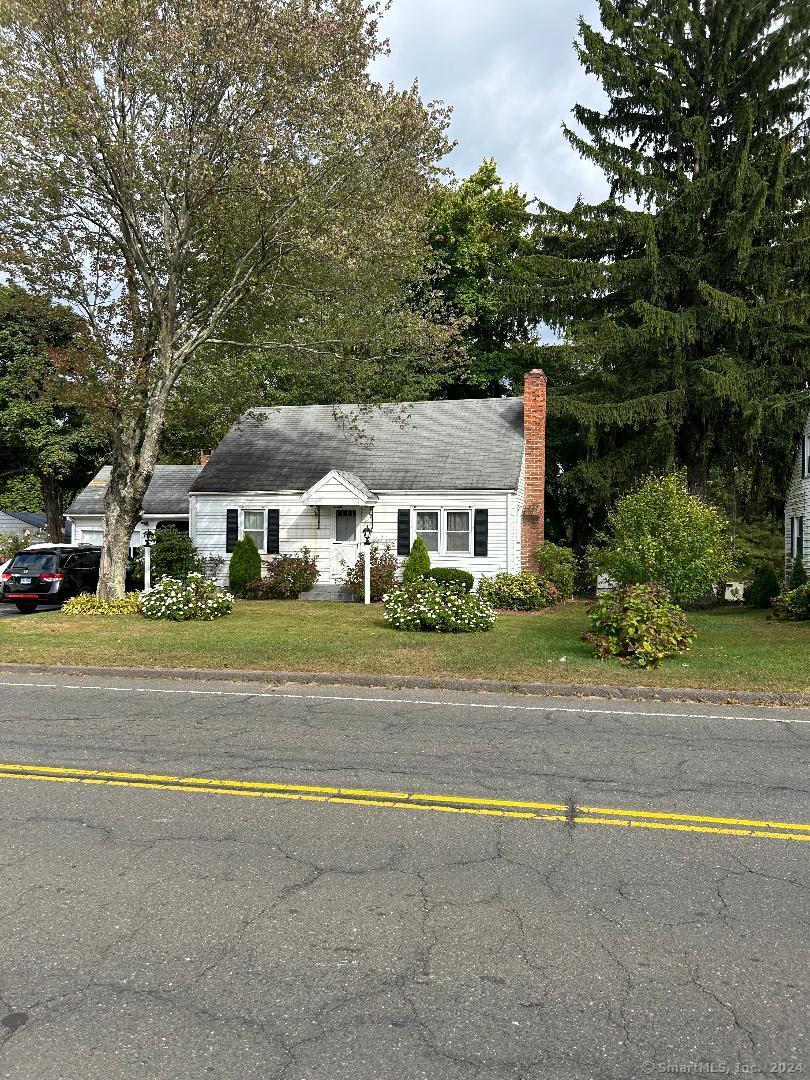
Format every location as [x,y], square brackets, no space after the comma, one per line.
[697,474]
[52,497]
[692,452]
[133,462]
[120,518]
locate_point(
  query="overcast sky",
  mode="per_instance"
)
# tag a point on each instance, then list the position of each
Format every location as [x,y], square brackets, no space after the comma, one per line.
[508,69]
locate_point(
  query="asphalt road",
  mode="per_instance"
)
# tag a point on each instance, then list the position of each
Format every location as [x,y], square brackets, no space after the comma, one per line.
[156,927]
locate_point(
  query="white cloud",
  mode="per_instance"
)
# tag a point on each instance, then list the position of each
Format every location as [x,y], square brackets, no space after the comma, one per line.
[510,73]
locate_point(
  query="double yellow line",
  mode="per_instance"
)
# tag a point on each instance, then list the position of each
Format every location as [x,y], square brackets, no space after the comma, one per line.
[404,800]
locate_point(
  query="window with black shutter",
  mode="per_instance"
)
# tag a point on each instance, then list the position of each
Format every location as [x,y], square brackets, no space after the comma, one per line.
[272,532]
[481,534]
[403,532]
[231,529]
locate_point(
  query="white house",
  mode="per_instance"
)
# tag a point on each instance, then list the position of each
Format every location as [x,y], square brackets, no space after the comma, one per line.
[21,523]
[166,502]
[467,476]
[797,505]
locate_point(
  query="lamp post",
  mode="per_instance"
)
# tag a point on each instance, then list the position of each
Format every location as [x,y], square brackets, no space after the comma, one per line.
[148,540]
[367,529]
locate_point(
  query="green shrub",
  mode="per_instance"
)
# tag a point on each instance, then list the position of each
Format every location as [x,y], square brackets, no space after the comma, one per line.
[12,542]
[756,542]
[450,575]
[88,604]
[661,534]
[763,588]
[798,574]
[286,577]
[518,592]
[417,563]
[558,565]
[794,604]
[427,605]
[585,575]
[384,567]
[173,554]
[639,624]
[245,566]
[210,566]
[194,598]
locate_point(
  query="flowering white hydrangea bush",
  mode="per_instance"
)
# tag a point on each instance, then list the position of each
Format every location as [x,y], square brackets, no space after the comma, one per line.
[194,598]
[428,605]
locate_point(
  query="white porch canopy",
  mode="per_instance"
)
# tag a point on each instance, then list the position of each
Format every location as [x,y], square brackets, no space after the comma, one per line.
[339,488]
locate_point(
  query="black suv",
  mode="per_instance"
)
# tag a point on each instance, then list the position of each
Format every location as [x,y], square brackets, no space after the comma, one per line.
[50,574]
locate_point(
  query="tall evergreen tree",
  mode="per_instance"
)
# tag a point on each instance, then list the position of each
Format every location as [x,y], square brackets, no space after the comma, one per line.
[683,298]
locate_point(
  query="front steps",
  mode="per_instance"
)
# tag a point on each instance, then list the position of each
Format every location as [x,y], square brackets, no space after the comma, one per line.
[328,592]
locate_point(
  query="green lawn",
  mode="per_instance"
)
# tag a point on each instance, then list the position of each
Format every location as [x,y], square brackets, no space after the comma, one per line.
[734,649]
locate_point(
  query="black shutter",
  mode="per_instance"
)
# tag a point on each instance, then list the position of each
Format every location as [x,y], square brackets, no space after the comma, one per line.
[792,537]
[231,529]
[800,540]
[481,534]
[272,532]
[804,456]
[403,532]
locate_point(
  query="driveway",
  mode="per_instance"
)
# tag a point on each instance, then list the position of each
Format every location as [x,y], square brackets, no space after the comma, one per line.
[212,879]
[10,611]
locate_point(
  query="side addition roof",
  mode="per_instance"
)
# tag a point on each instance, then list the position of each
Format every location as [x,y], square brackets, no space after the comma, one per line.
[166,494]
[472,444]
[33,521]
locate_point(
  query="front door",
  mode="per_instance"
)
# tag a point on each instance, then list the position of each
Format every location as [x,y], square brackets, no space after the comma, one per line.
[344,548]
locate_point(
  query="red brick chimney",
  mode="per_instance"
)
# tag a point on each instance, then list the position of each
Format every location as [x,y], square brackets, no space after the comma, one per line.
[204,456]
[534,433]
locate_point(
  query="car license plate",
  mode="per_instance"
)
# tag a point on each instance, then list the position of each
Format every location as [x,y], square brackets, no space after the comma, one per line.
[25,580]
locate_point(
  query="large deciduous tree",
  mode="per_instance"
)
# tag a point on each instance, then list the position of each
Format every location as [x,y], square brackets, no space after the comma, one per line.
[166,165]
[481,240]
[43,432]
[683,299]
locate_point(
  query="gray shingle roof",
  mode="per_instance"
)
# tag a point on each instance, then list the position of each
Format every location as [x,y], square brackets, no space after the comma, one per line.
[34,521]
[427,445]
[166,494]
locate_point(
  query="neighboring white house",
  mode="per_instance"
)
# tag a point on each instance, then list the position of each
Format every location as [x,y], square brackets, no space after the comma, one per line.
[166,501]
[21,523]
[468,476]
[797,505]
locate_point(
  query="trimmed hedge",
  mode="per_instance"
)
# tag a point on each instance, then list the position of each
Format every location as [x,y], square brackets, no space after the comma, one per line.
[763,588]
[427,605]
[451,575]
[798,574]
[245,566]
[417,563]
[194,598]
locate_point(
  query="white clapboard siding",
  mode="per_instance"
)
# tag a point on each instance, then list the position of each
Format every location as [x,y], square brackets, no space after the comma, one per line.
[797,503]
[517,503]
[298,524]
[89,529]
